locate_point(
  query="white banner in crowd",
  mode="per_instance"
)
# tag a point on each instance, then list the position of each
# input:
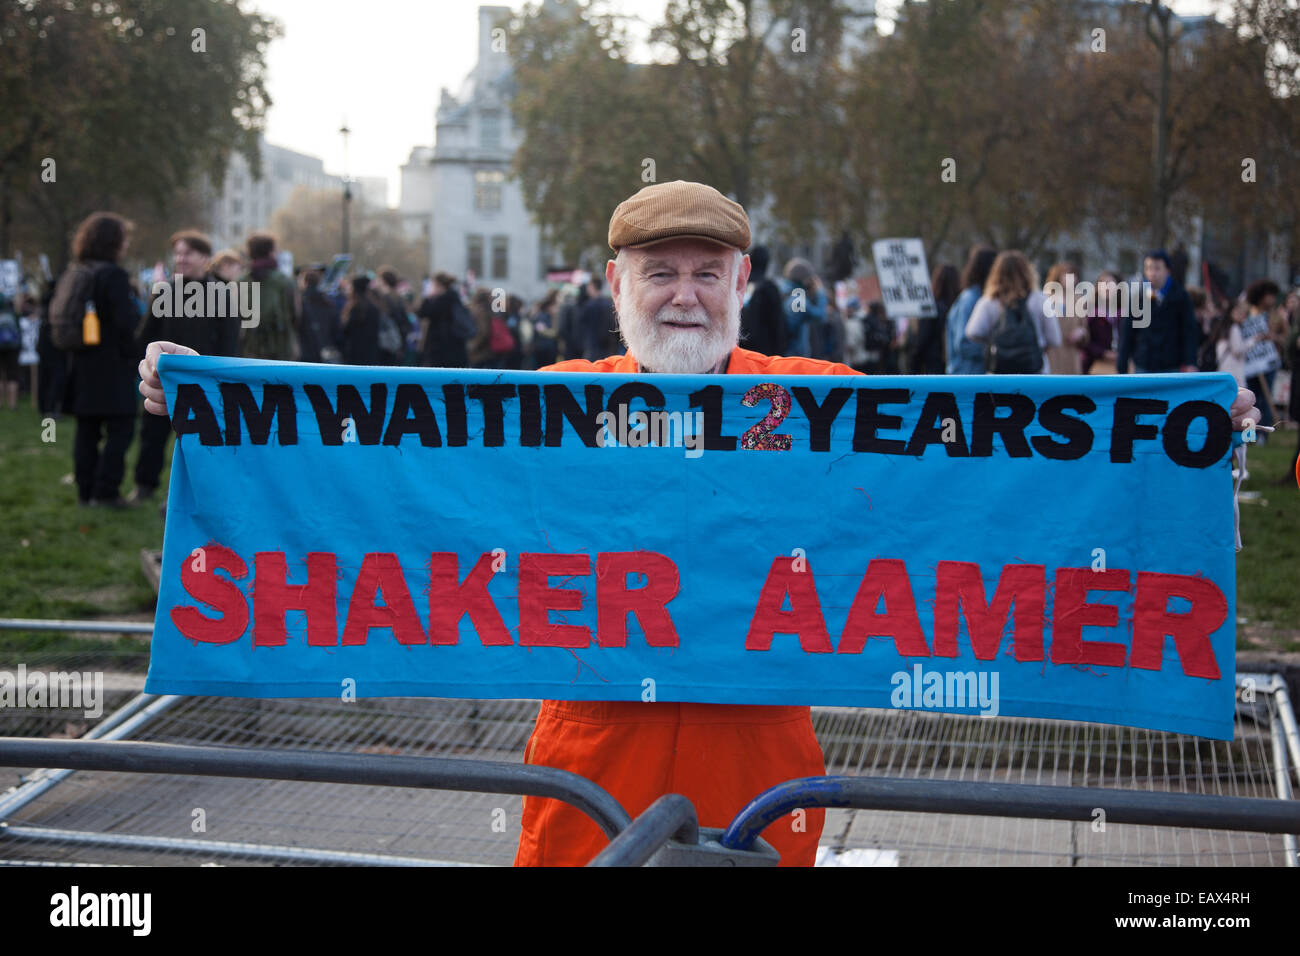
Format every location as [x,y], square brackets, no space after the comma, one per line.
[904,278]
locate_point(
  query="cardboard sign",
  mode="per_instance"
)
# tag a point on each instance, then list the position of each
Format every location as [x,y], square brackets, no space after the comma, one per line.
[1040,546]
[904,278]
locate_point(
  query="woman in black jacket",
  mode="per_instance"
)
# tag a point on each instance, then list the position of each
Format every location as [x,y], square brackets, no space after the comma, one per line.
[101,389]
[360,325]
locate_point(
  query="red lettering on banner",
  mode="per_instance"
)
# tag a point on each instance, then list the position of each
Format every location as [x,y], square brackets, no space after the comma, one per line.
[1191,630]
[1071,612]
[615,600]
[449,601]
[273,596]
[959,586]
[204,585]
[804,617]
[537,599]
[381,573]
[887,578]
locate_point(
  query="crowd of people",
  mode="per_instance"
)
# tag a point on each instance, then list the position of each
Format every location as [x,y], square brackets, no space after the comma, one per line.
[993,316]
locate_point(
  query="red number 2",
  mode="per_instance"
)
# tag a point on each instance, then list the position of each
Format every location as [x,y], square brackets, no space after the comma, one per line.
[759,437]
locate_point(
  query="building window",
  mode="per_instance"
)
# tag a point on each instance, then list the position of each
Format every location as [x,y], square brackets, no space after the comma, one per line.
[500,257]
[237,230]
[487,189]
[236,207]
[489,129]
[474,256]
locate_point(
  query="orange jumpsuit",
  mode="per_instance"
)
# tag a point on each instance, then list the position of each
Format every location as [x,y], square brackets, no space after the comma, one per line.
[719,756]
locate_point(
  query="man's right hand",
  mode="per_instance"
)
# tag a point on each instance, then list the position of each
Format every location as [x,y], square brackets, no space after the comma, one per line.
[155,401]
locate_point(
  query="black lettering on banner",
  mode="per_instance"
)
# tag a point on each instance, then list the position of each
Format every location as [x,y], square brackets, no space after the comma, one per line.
[277,401]
[1078,433]
[1218,434]
[930,428]
[561,405]
[412,415]
[709,398]
[1125,430]
[1011,428]
[530,416]
[820,417]
[492,398]
[869,420]
[453,400]
[193,415]
[368,422]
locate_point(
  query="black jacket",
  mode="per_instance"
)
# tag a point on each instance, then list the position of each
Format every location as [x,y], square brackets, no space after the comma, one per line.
[102,379]
[361,334]
[443,346]
[1170,341]
[762,320]
[320,326]
[206,335]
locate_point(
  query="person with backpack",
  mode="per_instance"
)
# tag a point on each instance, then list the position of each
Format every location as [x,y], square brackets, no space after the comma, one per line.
[93,318]
[1012,319]
[275,334]
[762,319]
[966,357]
[448,326]
[393,323]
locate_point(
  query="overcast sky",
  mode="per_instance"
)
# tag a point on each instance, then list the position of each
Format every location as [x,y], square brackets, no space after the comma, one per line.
[381,65]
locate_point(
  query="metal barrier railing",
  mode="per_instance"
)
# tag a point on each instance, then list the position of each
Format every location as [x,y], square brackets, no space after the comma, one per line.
[88,627]
[1193,810]
[441,773]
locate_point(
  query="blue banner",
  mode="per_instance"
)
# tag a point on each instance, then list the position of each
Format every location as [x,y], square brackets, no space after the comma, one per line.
[1035,546]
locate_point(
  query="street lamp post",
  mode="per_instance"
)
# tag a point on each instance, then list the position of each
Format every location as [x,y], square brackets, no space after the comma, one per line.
[347,184]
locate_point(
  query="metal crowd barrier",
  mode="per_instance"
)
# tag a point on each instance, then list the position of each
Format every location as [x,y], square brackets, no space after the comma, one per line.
[667,833]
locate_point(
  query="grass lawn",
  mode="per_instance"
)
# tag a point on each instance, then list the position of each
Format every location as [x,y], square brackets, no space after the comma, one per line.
[58,560]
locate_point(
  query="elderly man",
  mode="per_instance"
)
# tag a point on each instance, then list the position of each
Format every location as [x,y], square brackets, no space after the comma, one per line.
[677,281]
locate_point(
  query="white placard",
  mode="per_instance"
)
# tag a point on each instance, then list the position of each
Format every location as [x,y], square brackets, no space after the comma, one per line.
[904,278]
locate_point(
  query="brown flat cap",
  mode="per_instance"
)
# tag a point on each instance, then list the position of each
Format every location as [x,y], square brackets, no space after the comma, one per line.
[678,210]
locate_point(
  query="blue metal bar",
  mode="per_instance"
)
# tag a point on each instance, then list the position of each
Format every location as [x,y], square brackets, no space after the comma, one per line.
[671,817]
[439,773]
[1011,800]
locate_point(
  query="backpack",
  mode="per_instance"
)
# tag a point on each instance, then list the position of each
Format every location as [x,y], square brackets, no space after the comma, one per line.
[462,323]
[75,288]
[390,336]
[1013,347]
[502,340]
[10,336]
[877,333]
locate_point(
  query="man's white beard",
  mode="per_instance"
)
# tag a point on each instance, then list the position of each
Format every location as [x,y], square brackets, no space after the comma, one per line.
[662,348]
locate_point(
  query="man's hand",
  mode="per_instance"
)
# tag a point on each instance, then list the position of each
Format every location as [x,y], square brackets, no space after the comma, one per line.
[155,402]
[1243,409]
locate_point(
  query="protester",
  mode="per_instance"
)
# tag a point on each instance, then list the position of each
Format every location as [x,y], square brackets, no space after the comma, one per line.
[1231,346]
[762,319]
[1170,339]
[393,309]
[596,320]
[1097,350]
[683,319]
[804,304]
[927,347]
[1064,359]
[1012,320]
[168,318]
[274,336]
[360,324]
[1261,360]
[448,326]
[545,342]
[94,294]
[320,329]
[227,265]
[11,341]
[966,357]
